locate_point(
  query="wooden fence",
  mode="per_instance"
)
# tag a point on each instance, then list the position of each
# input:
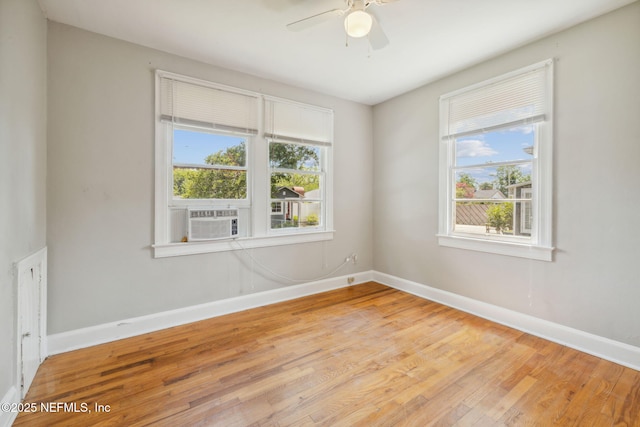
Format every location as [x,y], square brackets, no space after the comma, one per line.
[474,214]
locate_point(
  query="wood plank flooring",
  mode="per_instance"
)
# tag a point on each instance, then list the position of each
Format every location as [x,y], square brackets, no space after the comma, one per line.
[367,355]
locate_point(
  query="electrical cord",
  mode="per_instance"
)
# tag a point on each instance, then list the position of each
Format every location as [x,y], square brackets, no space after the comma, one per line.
[291,279]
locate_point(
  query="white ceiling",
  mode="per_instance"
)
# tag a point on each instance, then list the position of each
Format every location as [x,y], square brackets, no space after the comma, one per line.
[428,38]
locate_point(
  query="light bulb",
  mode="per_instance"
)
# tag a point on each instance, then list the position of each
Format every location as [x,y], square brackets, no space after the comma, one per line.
[358,23]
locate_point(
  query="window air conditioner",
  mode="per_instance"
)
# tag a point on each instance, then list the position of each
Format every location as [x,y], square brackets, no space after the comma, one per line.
[211,224]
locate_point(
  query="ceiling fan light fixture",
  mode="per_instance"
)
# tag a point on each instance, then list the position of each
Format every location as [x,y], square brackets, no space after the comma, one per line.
[358,23]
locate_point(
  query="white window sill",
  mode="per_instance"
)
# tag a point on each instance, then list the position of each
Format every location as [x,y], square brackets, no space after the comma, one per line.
[192,248]
[500,247]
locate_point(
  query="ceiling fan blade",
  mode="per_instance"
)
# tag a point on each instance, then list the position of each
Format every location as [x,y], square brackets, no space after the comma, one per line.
[377,38]
[382,2]
[311,21]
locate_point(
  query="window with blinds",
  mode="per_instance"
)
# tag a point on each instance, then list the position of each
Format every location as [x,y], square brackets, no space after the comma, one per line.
[495,163]
[210,126]
[218,147]
[299,138]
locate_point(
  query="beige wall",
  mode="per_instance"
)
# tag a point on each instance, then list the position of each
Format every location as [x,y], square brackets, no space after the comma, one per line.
[100,193]
[592,285]
[23,154]
[99,183]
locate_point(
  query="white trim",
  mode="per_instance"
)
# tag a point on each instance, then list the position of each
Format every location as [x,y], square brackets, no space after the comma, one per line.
[192,248]
[38,258]
[107,332]
[605,348]
[525,211]
[10,397]
[500,247]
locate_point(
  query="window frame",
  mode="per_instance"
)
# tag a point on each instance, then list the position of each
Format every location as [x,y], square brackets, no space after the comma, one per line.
[539,245]
[258,201]
[321,174]
[276,131]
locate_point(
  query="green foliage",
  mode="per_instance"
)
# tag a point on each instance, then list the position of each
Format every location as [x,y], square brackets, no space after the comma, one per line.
[500,216]
[296,157]
[289,223]
[181,177]
[232,184]
[291,156]
[486,186]
[214,183]
[465,178]
[509,175]
[312,219]
[232,156]
[465,186]
[464,191]
[308,182]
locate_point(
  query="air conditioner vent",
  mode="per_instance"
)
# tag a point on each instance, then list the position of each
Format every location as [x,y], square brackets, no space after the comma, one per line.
[212,224]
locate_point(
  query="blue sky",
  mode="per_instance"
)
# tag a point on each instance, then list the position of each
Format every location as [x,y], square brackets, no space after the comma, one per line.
[491,147]
[194,147]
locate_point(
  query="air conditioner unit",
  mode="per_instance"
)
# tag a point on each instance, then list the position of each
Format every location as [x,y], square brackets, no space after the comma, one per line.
[212,224]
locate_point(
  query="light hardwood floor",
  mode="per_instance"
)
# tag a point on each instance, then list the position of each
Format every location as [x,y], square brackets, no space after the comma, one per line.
[367,355]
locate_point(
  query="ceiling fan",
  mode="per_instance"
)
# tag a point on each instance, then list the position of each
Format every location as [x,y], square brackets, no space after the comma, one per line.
[357,23]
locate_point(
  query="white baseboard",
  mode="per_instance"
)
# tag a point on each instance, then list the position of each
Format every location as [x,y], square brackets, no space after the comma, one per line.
[107,332]
[614,351]
[7,417]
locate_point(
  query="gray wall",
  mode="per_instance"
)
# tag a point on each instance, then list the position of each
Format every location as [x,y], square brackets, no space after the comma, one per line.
[22,157]
[593,284]
[101,189]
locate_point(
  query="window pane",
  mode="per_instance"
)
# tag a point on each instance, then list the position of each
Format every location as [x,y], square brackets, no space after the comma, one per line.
[294,208]
[497,146]
[491,182]
[499,218]
[203,148]
[295,214]
[276,208]
[194,183]
[295,186]
[193,148]
[294,156]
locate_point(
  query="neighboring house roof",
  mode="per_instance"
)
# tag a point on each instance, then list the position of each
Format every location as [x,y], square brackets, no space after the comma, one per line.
[289,193]
[489,194]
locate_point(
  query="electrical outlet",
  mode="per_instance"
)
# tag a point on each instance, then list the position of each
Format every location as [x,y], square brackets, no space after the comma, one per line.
[350,280]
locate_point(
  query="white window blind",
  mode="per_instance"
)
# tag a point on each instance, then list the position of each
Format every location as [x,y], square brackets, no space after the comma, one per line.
[288,121]
[516,100]
[207,106]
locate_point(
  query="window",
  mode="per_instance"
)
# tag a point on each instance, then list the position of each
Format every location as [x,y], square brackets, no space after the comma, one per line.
[299,139]
[208,165]
[214,154]
[495,165]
